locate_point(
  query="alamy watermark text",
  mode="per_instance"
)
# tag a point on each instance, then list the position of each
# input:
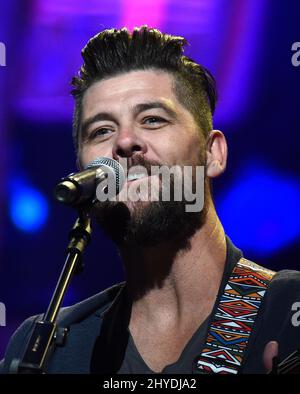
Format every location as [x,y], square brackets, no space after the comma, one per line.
[296,55]
[2,315]
[2,54]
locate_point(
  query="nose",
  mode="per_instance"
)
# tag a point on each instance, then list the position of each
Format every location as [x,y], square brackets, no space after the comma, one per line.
[127,143]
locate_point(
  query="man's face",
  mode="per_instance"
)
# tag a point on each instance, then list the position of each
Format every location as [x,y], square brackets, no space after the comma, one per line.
[131,122]
[136,115]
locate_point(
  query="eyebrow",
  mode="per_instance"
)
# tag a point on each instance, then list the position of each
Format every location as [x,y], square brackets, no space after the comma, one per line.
[137,109]
[152,105]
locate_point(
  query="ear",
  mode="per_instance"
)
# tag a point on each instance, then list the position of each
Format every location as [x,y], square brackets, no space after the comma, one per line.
[216,154]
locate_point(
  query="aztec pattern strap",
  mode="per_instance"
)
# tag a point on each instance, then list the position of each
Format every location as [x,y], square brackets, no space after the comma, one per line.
[234,319]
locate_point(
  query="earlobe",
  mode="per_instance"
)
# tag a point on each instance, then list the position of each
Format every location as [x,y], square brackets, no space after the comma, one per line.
[216,154]
[214,169]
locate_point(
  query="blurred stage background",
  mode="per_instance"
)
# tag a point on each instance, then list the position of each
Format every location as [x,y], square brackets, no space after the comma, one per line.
[245,43]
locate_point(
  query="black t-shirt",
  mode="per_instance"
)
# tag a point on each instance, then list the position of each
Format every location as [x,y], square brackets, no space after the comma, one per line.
[134,364]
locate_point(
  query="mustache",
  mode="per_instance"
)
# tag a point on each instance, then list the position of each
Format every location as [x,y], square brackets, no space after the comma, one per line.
[139,160]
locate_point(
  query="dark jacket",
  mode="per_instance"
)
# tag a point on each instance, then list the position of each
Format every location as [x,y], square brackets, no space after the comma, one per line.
[84,321]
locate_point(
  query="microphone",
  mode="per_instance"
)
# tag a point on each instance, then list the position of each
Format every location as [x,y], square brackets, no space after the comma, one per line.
[79,187]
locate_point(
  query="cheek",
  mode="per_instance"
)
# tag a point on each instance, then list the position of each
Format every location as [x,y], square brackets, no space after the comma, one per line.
[185,149]
[165,149]
[90,153]
[196,148]
[85,156]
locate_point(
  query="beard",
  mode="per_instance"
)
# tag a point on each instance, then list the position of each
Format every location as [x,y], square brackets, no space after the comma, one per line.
[148,223]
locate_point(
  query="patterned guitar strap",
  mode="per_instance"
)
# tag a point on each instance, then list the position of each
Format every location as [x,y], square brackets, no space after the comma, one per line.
[233,322]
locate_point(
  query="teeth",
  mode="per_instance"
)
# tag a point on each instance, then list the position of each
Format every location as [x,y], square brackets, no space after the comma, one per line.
[132,177]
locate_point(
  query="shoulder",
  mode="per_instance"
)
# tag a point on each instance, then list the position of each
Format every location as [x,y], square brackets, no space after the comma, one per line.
[283,290]
[282,295]
[285,282]
[80,313]
[96,304]
[279,291]
[277,320]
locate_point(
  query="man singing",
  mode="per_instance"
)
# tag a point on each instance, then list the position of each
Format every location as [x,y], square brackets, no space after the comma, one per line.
[191,302]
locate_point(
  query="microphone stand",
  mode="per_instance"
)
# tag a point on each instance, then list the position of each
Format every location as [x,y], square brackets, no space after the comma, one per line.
[46,335]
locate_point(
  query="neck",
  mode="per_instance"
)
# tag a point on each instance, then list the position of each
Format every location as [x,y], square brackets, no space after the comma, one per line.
[171,284]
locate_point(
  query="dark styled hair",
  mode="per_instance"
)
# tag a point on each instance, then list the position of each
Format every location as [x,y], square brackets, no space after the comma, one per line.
[112,52]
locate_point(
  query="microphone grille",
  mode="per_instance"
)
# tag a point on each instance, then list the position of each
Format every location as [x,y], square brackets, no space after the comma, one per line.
[112,164]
